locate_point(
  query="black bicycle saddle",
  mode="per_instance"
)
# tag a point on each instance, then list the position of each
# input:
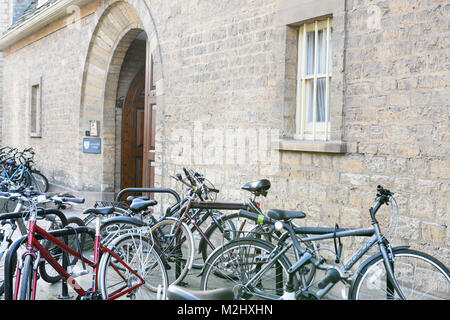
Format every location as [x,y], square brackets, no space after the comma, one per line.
[259,187]
[278,214]
[100,211]
[138,205]
[178,293]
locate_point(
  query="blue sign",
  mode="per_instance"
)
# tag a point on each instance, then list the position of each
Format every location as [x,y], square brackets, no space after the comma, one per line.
[92,145]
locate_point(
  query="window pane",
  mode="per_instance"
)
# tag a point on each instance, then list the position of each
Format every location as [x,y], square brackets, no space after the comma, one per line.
[321,51]
[34,106]
[330,53]
[309,99]
[310,52]
[320,96]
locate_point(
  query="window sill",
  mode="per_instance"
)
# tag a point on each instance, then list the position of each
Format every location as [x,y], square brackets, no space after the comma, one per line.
[313,146]
[35,135]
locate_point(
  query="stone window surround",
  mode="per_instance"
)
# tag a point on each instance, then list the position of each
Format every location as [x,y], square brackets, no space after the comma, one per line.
[292,14]
[35,80]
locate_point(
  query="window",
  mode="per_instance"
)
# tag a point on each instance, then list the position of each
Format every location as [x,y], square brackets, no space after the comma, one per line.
[35,111]
[314,69]
[41,3]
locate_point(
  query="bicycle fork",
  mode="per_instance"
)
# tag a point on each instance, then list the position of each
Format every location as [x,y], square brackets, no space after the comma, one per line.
[391,281]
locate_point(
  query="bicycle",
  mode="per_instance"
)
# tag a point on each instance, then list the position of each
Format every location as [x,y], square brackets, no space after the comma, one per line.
[17,170]
[12,221]
[174,232]
[258,269]
[172,236]
[128,267]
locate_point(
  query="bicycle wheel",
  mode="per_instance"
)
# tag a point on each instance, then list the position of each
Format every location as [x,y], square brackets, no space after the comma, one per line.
[39,181]
[419,275]
[237,262]
[46,271]
[175,241]
[2,266]
[26,279]
[138,253]
[218,233]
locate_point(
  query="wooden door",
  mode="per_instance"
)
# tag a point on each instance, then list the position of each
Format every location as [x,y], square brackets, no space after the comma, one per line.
[150,125]
[133,128]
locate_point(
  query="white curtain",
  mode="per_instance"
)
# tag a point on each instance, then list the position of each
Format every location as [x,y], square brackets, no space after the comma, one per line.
[321,82]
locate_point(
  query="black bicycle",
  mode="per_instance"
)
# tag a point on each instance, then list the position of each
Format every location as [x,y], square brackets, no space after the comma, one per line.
[255,268]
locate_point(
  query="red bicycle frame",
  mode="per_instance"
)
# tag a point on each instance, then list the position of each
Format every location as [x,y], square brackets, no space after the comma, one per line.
[34,246]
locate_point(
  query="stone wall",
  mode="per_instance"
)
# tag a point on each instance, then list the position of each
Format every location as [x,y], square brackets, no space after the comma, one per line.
[226,90]
[4,23]
[59,60]
[225,69]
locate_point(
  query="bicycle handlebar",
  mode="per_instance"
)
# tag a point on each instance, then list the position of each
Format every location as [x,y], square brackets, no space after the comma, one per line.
[29,193]
[384,192]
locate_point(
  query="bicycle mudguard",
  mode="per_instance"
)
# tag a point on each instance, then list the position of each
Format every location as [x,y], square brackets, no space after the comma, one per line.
[370,259]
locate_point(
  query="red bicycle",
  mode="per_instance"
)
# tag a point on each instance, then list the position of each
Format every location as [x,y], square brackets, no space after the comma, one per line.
[128,267]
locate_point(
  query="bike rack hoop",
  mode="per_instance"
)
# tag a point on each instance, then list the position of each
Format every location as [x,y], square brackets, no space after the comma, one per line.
[148,190]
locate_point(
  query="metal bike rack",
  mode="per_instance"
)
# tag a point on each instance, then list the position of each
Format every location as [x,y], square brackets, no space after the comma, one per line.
[148,190]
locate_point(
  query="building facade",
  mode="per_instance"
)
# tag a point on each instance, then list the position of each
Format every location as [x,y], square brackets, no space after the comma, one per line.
[326,99]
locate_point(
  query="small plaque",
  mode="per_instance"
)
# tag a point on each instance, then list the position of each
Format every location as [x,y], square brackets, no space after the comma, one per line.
[92,145]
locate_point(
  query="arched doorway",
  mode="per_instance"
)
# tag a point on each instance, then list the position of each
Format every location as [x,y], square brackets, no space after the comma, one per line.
[100,93]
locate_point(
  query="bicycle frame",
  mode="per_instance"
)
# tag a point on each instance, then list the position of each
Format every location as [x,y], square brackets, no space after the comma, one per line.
[18,171]
[34,246]
[209,205]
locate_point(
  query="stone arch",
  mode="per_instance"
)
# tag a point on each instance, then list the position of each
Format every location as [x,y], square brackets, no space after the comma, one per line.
[117,24]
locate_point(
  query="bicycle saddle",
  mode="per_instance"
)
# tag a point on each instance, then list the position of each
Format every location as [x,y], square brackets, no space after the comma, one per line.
[259,187]
[131,198]
[100,211]
[178,293]
[278,214]
[138,205]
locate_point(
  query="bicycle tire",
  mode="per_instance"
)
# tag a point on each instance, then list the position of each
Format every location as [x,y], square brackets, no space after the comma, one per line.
[26,280]
[148,265]
[433,275]
[46,271]
[228,267]
[245,228]
[231,231]
[178,249]
[217,235]
[39,180]
[2,271]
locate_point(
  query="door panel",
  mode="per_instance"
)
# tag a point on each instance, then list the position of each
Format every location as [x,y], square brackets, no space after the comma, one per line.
[133,123]
[150,125]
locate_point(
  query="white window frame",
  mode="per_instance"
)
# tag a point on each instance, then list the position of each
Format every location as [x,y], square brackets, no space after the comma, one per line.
[314,130]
